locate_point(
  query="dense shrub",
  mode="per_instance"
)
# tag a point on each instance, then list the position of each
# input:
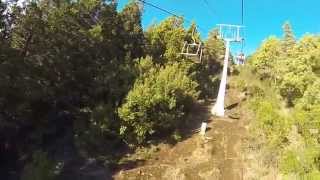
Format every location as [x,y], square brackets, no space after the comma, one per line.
[67,66]
[308,122]
[241,85]
[157,102]
[301,163]
[269,121]
[164,40]
[207,79]
[291,68]
[264,59]
[39,168]
[311,96]
[295,76]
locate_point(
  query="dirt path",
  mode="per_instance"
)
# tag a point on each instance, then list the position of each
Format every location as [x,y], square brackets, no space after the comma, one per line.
[218,155]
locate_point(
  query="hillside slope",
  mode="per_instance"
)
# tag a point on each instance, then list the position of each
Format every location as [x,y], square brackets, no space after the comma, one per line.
[218,155]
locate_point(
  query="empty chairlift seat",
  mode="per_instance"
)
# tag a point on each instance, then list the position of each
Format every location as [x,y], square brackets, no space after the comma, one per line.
[193,50]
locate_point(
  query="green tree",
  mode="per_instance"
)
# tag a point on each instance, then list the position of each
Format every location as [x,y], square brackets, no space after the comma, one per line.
[311,96]
[295,78]
[133,34]
[86,70]
[214,48]
[71,58]
[157,103]
[165,40]
[309,49]
[289,40]
[266,57]
[295,67]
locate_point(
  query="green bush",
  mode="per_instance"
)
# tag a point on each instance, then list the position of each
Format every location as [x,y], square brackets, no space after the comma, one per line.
[314,175]
[264,58]
[269,121]
[249,83]
[302,162]
[308,123]
[294,82]
[208,80]
[39,168]
[157,103]
[176,136]
[144,65]
[290,163]
[311,96]
[241,85]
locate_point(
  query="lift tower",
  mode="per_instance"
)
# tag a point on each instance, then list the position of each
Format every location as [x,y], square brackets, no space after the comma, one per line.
[229,34]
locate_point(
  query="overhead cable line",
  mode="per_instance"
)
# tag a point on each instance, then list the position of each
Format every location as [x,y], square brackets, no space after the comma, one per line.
[242,11]
[171,13]
[159,8]
[209,7]
[243,44]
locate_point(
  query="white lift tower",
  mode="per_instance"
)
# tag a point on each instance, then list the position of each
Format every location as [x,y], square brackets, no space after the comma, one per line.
[230,34]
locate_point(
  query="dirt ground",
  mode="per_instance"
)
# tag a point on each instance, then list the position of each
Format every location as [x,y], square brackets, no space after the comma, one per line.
[217,155]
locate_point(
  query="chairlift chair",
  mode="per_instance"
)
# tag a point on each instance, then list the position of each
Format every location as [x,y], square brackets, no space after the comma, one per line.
[240,58]
[193,50]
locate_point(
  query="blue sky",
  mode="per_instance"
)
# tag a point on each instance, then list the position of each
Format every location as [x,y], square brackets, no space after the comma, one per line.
[262,17]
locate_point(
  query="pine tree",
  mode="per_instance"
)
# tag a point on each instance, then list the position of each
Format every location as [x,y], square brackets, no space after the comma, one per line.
[288,37]
[134,38]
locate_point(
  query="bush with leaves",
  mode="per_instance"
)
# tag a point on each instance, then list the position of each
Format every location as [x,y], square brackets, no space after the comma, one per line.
[157,103]
[272,126]
[264,59]
[67,66]
[308,122]
[165,40]
[302,157]
[311,96]
[40,168]
[291,65]
[301,163]
[144,65]
[295,76]
[293,69]
[66,57]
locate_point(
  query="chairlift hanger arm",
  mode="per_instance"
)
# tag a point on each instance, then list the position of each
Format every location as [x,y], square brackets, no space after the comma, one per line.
[231,25]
